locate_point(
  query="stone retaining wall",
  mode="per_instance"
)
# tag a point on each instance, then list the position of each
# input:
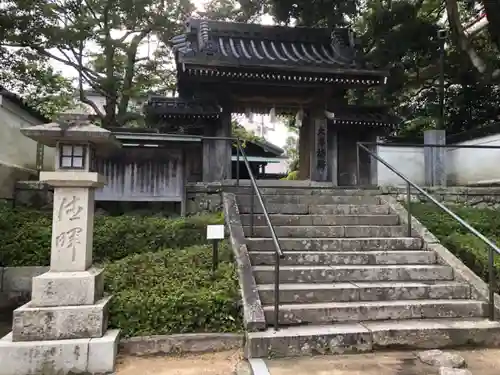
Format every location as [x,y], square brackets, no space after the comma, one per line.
[200,197]
[480,197]
[207,197]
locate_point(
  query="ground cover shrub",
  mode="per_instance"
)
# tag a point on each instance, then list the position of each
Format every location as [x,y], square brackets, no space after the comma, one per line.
[172,291]
[470,249]
[26,235]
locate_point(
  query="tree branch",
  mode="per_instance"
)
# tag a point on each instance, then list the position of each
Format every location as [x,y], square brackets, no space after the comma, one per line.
[130,70]
[42,51]
[83,97]
[91,10]
[464,42]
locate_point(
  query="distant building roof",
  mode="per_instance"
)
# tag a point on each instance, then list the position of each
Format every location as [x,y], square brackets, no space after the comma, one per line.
[20,102]
[139,136]
[177,108]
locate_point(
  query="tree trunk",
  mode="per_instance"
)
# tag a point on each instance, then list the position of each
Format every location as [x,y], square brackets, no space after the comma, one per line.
[492,9]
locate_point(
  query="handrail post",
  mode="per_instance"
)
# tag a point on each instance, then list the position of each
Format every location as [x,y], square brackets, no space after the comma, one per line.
[252,203]
[408,209]
[358,168]
[277,292]
[491,281]
[238,162]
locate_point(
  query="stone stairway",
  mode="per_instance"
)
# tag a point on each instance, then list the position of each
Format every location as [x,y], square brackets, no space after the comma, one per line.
[352,280]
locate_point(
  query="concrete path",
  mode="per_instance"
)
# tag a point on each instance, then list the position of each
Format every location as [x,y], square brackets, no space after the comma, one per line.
[479,362]
[223,363]
[358,364]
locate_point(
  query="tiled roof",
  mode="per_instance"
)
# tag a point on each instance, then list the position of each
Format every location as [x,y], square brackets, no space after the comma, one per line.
[371,116]
[235,50]
[177,108]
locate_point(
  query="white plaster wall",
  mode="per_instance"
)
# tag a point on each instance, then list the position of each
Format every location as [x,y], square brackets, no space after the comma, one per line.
[407,160]
[17,152]
[471,166]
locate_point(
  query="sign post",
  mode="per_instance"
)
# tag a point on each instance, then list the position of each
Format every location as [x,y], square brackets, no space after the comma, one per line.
[215,233]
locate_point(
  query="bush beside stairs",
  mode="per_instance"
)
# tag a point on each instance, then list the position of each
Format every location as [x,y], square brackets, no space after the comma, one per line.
[351,281]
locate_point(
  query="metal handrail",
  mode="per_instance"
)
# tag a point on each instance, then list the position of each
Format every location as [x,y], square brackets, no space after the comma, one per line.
[492,247]
[278,251]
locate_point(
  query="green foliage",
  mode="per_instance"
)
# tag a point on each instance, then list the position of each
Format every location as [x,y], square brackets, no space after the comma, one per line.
[24,72]
[26,235]
[102,41]
[242,133]
[172,291]
[293,175]
[470,249]
[239,131]
[400,36]
[158,269]
[292,152]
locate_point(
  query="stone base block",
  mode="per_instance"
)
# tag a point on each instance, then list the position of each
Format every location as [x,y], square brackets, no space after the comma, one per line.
[60,323]
[59,357]
[68,288]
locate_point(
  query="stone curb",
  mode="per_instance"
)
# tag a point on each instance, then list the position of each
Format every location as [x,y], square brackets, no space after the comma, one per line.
[181,343]
[253,313]
[479,288]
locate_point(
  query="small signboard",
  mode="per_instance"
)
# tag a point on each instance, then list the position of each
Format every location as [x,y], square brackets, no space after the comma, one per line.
[215,232]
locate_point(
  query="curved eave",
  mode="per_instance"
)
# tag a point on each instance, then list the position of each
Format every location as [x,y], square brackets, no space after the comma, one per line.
[367,122]
[350,77]
[184,116]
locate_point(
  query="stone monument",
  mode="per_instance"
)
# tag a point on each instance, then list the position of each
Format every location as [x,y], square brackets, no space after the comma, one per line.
[64,326]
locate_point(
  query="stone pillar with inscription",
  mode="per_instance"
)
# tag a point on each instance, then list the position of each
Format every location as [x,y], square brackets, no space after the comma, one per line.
[64,327]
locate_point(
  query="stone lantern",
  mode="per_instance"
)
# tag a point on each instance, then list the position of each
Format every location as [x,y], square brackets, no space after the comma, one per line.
[64,326]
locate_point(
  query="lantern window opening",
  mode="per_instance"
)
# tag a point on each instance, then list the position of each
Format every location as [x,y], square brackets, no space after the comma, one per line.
[72,156]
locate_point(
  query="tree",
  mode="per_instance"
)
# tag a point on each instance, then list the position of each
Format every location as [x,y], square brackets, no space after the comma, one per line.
[292,152]
[35,79]
[233,10]
[481,55]
[100,39]
[244,135]
[401,36]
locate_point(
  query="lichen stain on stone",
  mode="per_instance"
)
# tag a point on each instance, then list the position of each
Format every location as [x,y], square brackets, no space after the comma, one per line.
[76,352]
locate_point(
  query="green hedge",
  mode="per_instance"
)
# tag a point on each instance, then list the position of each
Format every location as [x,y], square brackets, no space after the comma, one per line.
[470,249]
[172,291]
[26,235]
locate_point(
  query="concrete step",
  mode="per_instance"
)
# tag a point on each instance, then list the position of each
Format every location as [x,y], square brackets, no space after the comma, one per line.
[349,209]
[306,258]
[362,291]
[341,312]
[325,209]
[353,273]
[354,231]
[245,200]
[368,336]
[302,220]
[247,190]
[335,244]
